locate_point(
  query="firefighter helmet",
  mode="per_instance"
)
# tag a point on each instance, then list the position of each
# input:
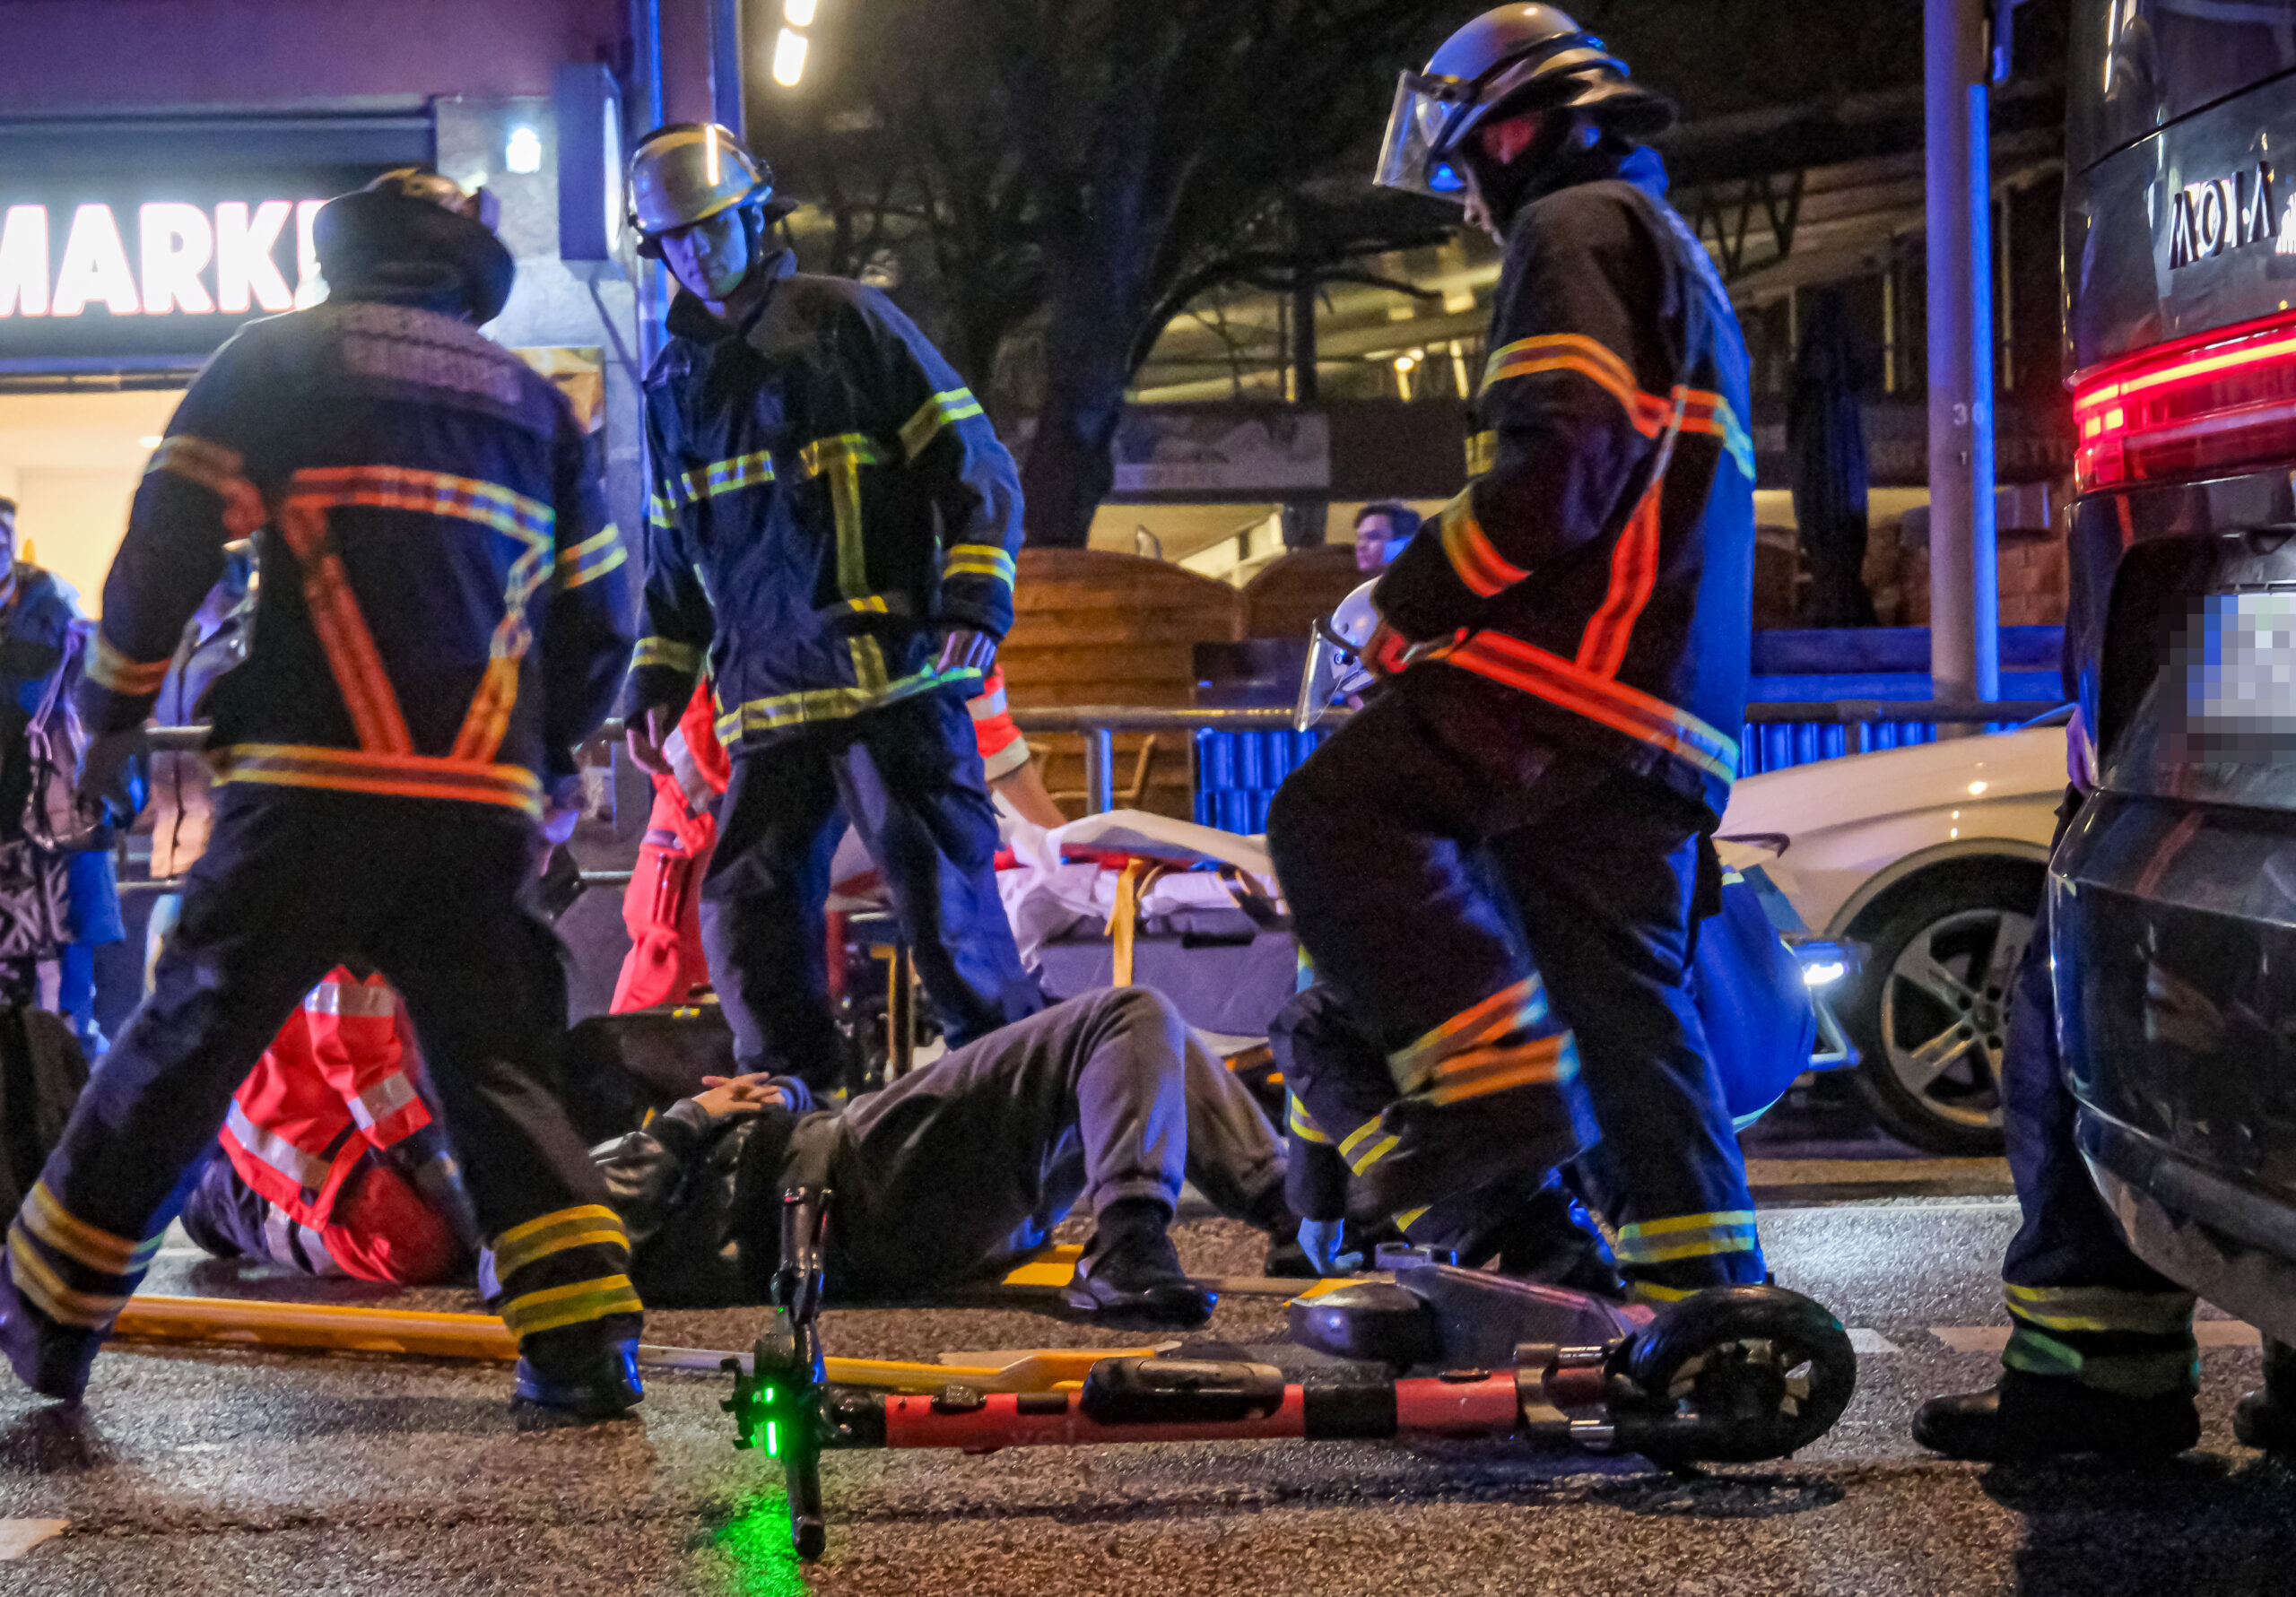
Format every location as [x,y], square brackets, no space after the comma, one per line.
[689,172]
[1513,59]
[412,234]
[1336,668]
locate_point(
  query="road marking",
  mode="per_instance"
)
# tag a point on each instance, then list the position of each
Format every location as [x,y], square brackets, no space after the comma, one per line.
[1864,1341]
[20,1536]
[1992,1339]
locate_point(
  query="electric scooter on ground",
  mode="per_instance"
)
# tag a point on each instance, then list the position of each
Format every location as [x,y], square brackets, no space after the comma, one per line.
[1734,1375]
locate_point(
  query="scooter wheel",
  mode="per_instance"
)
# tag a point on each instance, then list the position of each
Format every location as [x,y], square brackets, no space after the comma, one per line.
[1734,1375]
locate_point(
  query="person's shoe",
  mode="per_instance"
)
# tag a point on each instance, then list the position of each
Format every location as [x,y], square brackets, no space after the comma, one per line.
[604,1386]
[52,1360]
[1130,1276]
[2028,1417]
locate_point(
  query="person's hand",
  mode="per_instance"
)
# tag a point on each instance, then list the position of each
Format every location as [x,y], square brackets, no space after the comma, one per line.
[966,646]
[645,734]
[727,1095]
[108,773]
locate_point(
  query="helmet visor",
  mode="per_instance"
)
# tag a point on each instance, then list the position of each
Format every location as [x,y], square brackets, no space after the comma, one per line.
[1413,155]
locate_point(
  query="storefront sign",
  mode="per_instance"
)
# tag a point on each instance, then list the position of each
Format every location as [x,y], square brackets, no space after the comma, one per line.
[172,259]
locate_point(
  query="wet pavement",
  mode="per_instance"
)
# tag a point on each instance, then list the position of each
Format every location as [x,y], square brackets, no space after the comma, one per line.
[223,1472]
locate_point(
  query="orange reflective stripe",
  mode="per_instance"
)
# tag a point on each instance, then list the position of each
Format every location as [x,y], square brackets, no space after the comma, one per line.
[1592,359]
[1480,568]
[120,673]
[399,776]
[351,657]
[1634,574]
[1517,665]
[1516,1005]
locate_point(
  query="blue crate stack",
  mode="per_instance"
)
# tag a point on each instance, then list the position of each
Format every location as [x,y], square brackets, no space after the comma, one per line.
[1237,774]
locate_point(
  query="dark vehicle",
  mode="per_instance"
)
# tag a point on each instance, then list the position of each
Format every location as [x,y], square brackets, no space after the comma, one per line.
[2174,896]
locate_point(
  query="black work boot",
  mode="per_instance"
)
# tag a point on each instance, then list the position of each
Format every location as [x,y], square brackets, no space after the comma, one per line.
[2028,1417]
[2266,1418]
[578,1381]
[1130,1276]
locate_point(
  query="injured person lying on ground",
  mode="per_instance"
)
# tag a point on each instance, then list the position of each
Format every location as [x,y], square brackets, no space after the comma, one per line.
[959,1170]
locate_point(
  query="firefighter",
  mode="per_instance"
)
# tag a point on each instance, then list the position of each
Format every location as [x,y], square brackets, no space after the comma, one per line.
[1105,1100]
[445,613]
[1500,861]
[331,1161]
[832,533]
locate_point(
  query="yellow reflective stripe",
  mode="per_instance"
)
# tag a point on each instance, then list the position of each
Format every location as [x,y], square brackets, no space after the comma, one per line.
[76,1240]
[1532,670]
[1651,1292]
[1482,451]
[942,410]
[2138,1374]
[667,652]
[1521,1004]
[591,559]
[1687,1236]
[2101,1309]
[831,704]
[1301,1124]
[728,476]
[842,458]
[116,672]
[1412,1217]
[552,1233]
[868,665]
[38,1280]
[1481,1071]
[1366,1146]
[571,1305]
[221,471]
[1475,560]
[660,512]
[397,776]
[978,559]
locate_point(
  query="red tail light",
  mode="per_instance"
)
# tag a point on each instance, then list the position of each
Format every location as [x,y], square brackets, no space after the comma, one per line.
[2204,404]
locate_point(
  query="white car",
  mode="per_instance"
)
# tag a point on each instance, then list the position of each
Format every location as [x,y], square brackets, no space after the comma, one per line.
[1927,862]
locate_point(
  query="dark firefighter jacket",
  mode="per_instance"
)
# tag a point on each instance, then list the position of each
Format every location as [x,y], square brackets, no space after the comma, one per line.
[828,497]
[1588,609]
[702,1198]
[445,610]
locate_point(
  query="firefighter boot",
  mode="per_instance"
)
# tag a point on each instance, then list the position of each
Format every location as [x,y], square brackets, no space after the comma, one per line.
[2030,1417]
[576,1378]
[1130,1275]
[52,1360]
[2266,1418]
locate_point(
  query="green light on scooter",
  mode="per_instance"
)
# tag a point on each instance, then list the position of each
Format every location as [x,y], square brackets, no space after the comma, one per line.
[772,1440]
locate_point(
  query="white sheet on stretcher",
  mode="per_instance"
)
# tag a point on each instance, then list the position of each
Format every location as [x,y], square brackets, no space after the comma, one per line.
[1046,897]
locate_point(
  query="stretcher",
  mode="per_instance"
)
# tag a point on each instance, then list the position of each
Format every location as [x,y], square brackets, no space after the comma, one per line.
[1736,1373]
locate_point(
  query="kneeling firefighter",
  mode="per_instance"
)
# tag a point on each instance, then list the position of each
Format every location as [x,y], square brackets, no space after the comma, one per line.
[1500,861]
[445,613]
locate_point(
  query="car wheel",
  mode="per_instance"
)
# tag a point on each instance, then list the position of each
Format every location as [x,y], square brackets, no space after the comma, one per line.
[1930,1012]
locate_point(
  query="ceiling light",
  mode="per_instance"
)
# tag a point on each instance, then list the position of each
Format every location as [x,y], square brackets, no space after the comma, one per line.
[523,153]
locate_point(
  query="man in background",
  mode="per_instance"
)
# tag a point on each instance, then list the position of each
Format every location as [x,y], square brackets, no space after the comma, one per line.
[1381,530]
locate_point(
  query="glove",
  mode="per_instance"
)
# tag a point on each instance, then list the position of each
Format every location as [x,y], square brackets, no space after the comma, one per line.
[1320,1240]
[107,775]
[964,646]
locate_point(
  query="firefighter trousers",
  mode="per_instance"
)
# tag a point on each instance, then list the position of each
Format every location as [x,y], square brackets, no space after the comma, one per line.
[1433,877]
[2081,1304]
[908,777]
[293,883]
[962,1168]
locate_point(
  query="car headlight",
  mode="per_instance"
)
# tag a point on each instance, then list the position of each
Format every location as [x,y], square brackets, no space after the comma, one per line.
[1822,963]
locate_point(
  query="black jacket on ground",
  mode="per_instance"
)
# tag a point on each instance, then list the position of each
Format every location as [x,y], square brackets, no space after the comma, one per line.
[1591,616]
[828,498]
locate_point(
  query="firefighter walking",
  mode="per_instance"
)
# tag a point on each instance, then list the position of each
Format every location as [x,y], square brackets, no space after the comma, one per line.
[444,615]
[831,535]
[1500,861]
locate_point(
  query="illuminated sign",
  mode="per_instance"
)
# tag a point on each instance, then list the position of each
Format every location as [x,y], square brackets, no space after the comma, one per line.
[171,258]
[2207,219]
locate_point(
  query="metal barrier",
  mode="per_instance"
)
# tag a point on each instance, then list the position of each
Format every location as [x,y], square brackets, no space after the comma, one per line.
[1099,723]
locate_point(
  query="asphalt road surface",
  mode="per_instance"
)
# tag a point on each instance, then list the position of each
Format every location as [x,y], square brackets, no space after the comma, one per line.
[198,1472]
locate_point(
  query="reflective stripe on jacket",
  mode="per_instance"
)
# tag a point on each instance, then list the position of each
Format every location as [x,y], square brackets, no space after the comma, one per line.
[1613,615]
[333,1085]
[445,610]
[828,497]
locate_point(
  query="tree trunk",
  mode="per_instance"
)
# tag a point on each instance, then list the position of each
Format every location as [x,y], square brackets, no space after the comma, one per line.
[1087,352]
